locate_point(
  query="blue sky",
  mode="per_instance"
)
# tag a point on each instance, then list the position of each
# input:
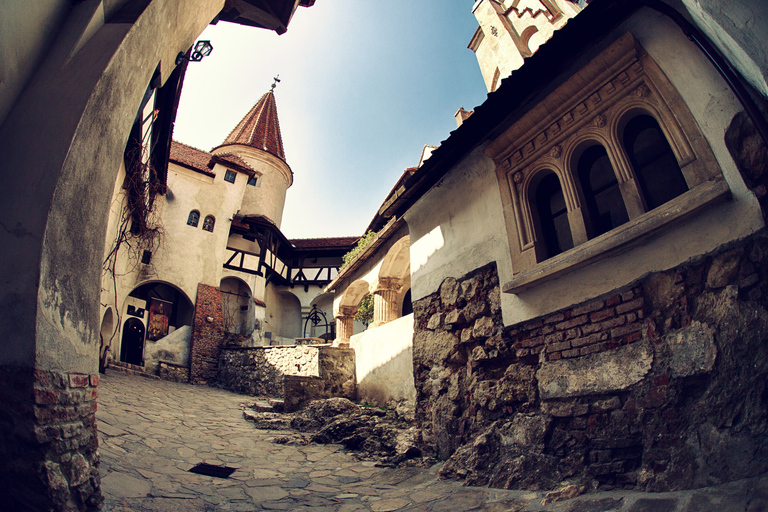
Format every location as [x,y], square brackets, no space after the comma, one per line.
[364,86]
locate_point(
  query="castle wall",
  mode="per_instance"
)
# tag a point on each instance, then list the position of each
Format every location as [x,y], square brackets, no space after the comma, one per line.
[645,387]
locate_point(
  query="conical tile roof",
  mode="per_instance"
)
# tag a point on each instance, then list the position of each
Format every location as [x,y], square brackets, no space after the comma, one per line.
[260,128]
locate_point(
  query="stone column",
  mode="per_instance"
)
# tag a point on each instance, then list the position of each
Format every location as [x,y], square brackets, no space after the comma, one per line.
[345,318]
[385,300]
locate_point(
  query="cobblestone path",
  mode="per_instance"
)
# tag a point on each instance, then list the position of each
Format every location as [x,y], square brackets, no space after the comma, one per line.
[152,432]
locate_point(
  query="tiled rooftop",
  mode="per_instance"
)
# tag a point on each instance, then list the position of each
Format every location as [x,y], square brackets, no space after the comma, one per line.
[260,128]
[188,156]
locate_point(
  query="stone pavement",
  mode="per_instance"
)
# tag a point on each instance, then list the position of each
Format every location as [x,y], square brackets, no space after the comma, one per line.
[152,432]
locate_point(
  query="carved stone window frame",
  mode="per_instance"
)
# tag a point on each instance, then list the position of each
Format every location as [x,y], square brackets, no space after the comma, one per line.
[592,107]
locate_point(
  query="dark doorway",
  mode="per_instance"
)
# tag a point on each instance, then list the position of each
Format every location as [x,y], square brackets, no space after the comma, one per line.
[132,347]
[407,304]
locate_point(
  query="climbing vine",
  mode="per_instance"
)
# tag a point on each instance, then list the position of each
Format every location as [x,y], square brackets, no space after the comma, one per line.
[364,241]
[365,310]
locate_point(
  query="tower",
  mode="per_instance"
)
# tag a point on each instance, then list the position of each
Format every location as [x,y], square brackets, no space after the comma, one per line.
[257,140]
[511,30]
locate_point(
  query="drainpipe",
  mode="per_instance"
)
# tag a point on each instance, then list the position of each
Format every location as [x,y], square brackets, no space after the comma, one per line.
[729,75]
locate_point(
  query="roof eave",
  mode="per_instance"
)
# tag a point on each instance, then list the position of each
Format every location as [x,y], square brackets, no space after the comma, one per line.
[510,101]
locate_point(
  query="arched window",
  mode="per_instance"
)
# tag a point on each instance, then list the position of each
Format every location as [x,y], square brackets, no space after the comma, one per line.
[553,216]
[655,165]
[208,223]
[193,219]
[602,196]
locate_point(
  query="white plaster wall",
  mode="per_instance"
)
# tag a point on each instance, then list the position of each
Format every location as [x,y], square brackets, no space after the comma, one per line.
[457,226]
[189,255]
[735,27]
[268,198]
[173,348]
[384,362]
[283,314]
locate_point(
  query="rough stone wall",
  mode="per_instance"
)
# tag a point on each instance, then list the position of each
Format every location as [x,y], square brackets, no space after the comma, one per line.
[659,385]
[173,372]
[337,369]
[259,371]
[336,379]
[207,335]
[50,462]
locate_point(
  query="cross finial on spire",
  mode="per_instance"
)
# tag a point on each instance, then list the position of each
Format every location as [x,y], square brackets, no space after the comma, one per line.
[274,84]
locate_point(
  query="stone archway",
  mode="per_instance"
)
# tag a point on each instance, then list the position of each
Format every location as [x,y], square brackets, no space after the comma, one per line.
[345,316]
[64,136]
[394,283]
[237,306]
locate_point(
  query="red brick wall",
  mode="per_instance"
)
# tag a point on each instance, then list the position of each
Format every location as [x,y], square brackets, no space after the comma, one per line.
[49,442]
[594,327]
[207,335]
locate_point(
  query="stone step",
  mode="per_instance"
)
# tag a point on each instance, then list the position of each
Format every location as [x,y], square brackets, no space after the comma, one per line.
[131,369]
[278,404]
[262,406]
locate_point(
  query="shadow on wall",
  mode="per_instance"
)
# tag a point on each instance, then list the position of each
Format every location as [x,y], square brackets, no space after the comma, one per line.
[384,362]
[374,389]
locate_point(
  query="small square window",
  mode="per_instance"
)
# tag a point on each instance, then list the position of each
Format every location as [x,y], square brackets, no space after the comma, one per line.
[230,176]
[146,257]
[254,181]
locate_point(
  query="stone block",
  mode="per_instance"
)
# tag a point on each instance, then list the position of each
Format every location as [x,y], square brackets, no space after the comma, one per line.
[494,300]
[432,347]
[564,409]
[449,292]
[484,327]
[692,350]
[478,354]
[476,309]
[469,288]
[599,373]
[605,405]
[434,321]
[454,317]
[724,269]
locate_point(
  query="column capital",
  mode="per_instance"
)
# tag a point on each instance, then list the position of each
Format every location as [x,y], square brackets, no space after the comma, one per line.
[346,311]
[389,283]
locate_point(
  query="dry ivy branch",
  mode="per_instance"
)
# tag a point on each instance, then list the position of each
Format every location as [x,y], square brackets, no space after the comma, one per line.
[139,227]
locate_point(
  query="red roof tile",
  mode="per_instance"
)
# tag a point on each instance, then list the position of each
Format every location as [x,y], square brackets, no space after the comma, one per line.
[260,128]
[233,161]
[193,158]
[323,243]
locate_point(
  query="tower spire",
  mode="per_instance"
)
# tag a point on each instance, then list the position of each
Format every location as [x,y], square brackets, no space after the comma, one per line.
[260,127]
[274,84]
